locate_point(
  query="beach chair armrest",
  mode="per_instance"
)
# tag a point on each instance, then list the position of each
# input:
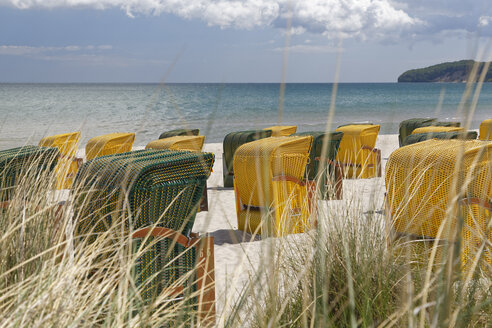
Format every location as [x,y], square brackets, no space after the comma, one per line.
[374,150]
[290,179]
[165,233]
[487,204]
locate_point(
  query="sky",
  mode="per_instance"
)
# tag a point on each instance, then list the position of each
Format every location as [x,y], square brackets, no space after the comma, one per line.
[229,41]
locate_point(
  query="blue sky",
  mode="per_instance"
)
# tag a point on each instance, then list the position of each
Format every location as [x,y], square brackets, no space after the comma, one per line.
[234,41]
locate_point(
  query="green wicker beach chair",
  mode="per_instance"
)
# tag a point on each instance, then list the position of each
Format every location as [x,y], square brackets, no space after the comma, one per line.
[232,141]
[179,132]
[172,268]
[17,162]
[331,179]
[418,137]
[162,187]
[407,126]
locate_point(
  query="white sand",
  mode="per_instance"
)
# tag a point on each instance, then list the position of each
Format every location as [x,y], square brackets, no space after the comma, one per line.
[236,254]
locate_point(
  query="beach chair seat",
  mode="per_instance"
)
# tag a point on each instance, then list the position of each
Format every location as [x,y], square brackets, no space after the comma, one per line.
[282,130]
[271,198]
[419,137]
[435,129]
[407,126]
[231,142]
[171,267]
[68,164]
[189,143]
[357,154]
[18,162]
[160,187]
[109,144]
[486,130]
[183,143]
[179,132]
[330,184]
[424,186]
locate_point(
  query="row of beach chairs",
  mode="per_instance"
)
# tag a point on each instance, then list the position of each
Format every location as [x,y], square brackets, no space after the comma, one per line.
[276,181]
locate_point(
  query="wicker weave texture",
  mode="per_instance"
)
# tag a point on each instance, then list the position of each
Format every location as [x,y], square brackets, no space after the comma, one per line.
[231,142]
[17,162]
[179,132]
[435,129]
[163,265]
[162,187]
[282,130]
[188,143]
[419,179]
[407,126]
[67,144]
[476,232]
[279,204]
[486,130]
[355,152]
[108,144]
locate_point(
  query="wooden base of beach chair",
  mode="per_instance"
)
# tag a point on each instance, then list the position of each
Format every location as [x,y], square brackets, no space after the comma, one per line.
[204,200]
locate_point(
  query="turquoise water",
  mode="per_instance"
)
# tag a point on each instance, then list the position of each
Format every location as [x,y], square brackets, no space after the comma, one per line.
[31,111]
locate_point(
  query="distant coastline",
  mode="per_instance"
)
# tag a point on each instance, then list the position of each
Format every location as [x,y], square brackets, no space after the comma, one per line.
[457,71]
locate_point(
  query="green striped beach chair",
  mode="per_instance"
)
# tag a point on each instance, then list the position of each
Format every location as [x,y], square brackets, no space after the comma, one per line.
[21,161]
[162,190]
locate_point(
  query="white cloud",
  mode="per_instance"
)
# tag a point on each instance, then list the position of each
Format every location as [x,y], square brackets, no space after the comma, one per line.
[307,48]
[484,21]
[348,18]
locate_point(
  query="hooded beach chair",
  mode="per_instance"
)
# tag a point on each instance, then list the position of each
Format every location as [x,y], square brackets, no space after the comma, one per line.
[282,130]
[419,137]
[271,198]
[407,126]
[426,192]
[330,180]
[179,132]
[486,130]
[157,191]
[189,143]
[68,164]
[231,142]
[109,144]
[357,156]
[17,163]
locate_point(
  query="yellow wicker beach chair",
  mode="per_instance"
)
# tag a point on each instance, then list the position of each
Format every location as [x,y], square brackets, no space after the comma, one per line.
[357,155]
[424,185]
[190,143]
[282,130]
[437,129]
[109,144]
[486,130]
[66,169]
[271,199]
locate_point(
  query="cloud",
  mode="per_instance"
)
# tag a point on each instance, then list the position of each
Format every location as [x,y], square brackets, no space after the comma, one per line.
[334,18]
[307,48]
[16,50]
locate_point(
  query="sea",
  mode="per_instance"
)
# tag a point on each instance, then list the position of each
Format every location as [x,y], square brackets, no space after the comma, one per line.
[31,111]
